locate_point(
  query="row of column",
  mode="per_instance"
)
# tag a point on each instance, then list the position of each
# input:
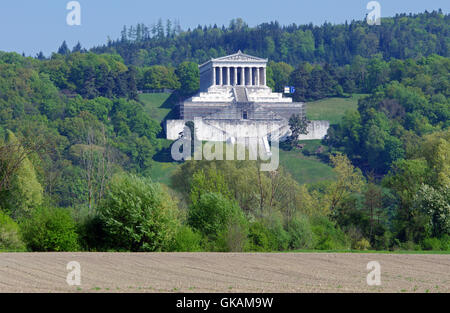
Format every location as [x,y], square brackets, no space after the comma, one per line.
[246,76]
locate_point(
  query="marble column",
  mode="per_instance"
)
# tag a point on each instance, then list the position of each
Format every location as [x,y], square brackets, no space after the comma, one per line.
[257,76]
[250,77]
[220,76]
[242,76]
[213,76]
[235,76]
[228,76]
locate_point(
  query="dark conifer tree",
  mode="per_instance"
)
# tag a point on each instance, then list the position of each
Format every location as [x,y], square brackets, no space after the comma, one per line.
[64,49]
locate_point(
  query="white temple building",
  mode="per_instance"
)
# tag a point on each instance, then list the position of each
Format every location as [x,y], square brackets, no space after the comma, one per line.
[234,101]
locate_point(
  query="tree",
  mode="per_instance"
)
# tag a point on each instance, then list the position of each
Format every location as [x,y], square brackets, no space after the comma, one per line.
[77,48]
[298,126]
[97,161]
[373,201]
[349,181]
[280,74]
[189,77]
[10,238]
[211,181]
[219,219]
[138,215]
[435,204]
[159,77]
[300,78]
[435,148]
[131,83]
[20,188]
[64,49]
[50,229]
[405,179]
[40,56]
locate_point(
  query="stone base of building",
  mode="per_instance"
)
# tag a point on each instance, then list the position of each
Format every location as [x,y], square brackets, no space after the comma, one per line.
[229,130]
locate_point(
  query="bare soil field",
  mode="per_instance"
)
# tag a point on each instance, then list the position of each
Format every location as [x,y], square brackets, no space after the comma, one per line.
[223,272]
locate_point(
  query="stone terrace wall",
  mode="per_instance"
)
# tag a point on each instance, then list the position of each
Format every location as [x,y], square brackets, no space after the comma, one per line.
[316,130]
[214,130]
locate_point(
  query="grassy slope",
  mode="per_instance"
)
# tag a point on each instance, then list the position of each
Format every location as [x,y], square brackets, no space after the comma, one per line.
[331,109]
[304,169]
[155,105]
[310,169]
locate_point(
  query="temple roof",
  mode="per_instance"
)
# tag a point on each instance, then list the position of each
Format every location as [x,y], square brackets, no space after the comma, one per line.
[236,57]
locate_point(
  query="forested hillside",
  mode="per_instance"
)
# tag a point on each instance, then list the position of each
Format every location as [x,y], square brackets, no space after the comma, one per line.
[403,36]
[77,143]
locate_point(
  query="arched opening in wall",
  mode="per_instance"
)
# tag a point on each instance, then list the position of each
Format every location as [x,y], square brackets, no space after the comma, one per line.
[245,115]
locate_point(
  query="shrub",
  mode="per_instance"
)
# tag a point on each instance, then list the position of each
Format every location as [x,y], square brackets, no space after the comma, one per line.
[220,220]
[212,214]
[362,244]
[327,236]
[435,244]
[234,238]
[9,234]
[25,191]
[279,237]
[92,234]
[186,240]
[50,229]
[138,215]
[258,237]
[300,233]
[409,246]
[445,243]
[384,241]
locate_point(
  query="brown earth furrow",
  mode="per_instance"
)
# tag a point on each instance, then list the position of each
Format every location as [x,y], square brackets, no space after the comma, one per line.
[222,272]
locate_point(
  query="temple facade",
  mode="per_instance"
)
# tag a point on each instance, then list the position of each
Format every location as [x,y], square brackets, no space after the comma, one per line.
[234,100]
[234,70]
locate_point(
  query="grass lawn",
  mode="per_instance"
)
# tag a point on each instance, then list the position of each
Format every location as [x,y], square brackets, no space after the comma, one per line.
[306,169]
[309,169]
[331,109]
[163,167]
[155,104]
[158,106]
[162,171]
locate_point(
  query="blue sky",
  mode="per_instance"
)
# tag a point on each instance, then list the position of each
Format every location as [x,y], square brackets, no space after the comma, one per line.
[31,26]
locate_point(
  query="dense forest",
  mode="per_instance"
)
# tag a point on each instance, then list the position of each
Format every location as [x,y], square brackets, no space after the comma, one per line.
[403,36]
[77,146]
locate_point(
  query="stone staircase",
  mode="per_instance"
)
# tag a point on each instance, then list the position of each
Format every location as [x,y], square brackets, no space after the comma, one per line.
[240,94]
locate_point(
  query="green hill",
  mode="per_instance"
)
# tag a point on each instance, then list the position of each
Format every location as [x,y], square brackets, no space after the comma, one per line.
[331,109]
[304,169]
[156,105]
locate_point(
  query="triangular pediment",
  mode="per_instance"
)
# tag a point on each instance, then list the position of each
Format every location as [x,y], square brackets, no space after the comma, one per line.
[239,56]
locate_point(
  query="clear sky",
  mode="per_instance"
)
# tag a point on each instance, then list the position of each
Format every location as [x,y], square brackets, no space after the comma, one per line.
[31,26]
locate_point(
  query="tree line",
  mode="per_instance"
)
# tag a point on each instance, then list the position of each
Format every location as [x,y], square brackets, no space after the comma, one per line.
[402,36]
